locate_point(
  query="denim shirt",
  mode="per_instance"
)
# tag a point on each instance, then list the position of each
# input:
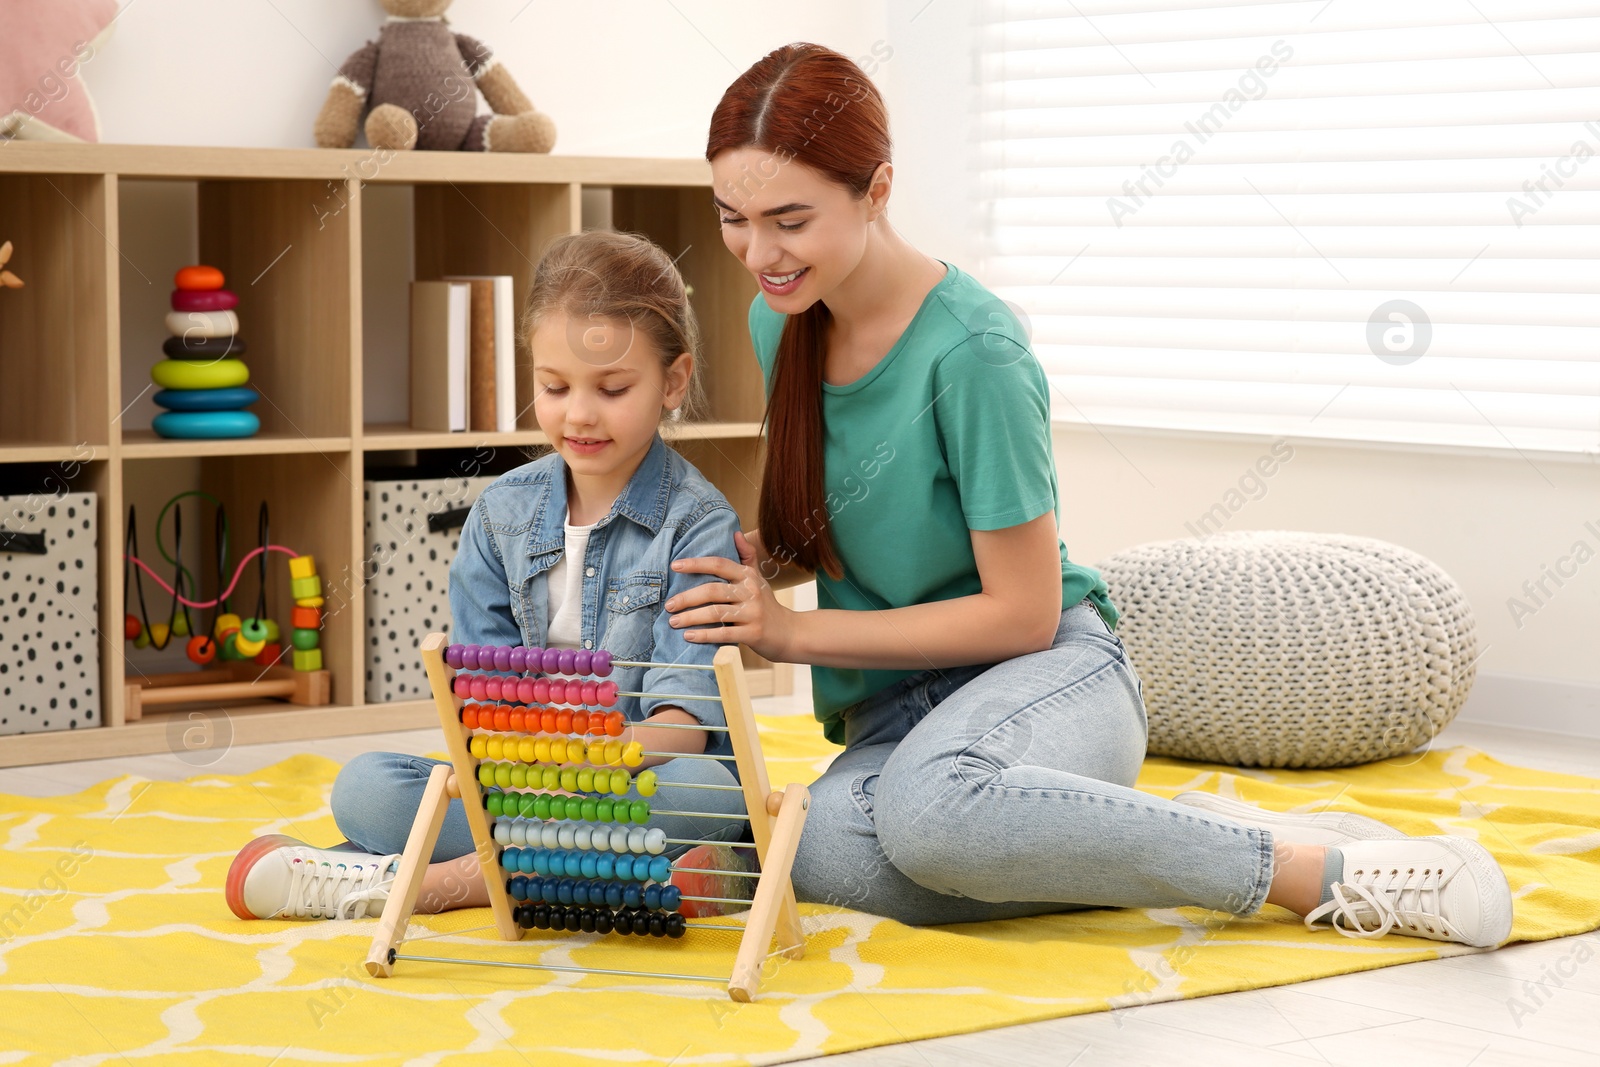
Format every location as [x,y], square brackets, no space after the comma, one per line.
[516,531]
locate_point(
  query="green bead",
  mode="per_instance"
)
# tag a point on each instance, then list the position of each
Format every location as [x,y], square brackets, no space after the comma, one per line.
[180,627]
[526,802]
[273,633]
[305,640]
[639,811]
[552,778]
[603,811]
[492,801]
[589,809]
[519,775]
[541,806]
[486,774]
[254,630]
[229,649]
[502,775]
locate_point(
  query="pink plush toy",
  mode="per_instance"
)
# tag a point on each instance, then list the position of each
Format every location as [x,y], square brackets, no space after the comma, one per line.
[415,85]
[42,45]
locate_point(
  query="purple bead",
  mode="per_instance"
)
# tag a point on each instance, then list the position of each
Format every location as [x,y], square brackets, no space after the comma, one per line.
[602,663]
[582,661]
[565,661]
[502,658]
[452,656]
[533,659]
[519,659]
[469,657]
[550,662]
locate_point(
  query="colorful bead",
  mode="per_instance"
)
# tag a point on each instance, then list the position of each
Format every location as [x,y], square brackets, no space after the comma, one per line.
[646,783]
[602,663]
[305,618]
[305,640]
[303,567]
[469,657]
[620,781]
[519,659]
[655,841]
[541,695]
[639,812]
[564,660]
[632,754]
[590,692]
[159,632]
[131,627]
[270,653]
[606,694]
[502,658]
[615,725]
[582,661]
[225,622]
[525,690]
[452,657]
[550,660]
[585,779]
[305,588]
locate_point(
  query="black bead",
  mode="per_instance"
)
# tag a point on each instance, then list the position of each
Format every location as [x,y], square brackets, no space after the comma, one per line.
[676,925]
[602,922]
[586,920]
[541,917]
[574,919]
[641,923]
[658,925]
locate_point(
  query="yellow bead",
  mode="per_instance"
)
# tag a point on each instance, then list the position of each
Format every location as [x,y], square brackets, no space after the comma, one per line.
[585,780]
[479,747]
[308,601]
[633,754]
[646,784]
[496,748]
[569,779]
[309,660]
[519,775]
[302,567]
[613,753]
[527,750]
[597,753]
[247,648]
[159,634]
[305,588]
[620,780]
[224,623]
[541,750]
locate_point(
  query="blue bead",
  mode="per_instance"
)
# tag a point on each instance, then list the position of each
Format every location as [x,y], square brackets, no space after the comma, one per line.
[605,866]
[525,861]
[574,864]
[564,891]
[580,894]
[508,859]
[671,897]
[652,897]
[541,861]
[641,868]
[547,892]
[518,888]
[613,895]
[660,868]
[591,865]
[632,896]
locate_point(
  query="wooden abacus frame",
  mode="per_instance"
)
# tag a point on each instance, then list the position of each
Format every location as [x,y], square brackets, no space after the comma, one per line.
[776,819]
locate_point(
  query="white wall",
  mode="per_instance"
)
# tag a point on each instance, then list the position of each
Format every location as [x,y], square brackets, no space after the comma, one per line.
[620,77]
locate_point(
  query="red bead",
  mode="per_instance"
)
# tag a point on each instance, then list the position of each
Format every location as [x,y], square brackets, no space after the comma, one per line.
[130,627]
[204,300]
[201,649]
[607,694]
[591,693]
[270,653]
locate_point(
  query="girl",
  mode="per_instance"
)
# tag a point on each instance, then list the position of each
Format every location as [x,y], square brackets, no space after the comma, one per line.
[993,727]
[574,551]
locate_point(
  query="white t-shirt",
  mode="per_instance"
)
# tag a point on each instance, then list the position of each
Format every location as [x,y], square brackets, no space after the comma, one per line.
[566,591]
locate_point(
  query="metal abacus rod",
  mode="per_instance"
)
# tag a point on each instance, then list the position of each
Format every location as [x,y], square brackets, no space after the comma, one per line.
[775,818]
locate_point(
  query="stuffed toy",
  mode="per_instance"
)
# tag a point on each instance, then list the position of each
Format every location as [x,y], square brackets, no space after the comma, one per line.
[415,84]
[42,45]
[7,279]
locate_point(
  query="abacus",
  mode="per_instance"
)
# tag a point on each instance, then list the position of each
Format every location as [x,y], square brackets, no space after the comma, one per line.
[537,760]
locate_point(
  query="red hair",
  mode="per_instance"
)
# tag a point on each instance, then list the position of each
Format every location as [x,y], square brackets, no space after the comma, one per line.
[811,105]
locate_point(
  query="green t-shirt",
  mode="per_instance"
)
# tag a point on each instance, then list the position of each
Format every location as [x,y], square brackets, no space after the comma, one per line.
[949,433]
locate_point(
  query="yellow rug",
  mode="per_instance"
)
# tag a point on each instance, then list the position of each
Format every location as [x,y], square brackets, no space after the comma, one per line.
[118,946]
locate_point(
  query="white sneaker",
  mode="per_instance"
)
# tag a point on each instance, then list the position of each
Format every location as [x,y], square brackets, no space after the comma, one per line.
[279,877]
[1441,888]
[1337,828]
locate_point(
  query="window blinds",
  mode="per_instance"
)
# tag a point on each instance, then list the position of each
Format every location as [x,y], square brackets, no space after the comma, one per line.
[1354,219]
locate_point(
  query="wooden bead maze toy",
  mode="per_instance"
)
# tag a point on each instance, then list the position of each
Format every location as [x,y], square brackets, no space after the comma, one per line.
[562,824]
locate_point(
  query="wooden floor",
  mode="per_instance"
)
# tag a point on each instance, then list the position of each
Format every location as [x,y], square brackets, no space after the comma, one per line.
[1454,1013]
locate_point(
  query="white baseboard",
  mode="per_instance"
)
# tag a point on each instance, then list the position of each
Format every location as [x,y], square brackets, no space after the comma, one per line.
[1525,703]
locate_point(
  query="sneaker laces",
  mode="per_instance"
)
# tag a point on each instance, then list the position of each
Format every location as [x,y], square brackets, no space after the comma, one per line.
[1376,901]
[322,890]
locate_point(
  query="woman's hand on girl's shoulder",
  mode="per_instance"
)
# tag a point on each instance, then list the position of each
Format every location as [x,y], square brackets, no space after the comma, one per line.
[738,609]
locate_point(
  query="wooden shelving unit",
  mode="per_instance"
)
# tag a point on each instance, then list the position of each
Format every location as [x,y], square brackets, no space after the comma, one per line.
[285,226]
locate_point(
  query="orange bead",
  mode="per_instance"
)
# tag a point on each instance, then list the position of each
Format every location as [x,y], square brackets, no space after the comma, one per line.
[305,618]
[469,716]
[580,722]
[201,649]
[615,724]
[547,720]
[198,277]
[516,719]
[563,721]
[502,718]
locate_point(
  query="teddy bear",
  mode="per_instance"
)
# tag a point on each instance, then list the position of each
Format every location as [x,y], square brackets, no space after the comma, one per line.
[415,86]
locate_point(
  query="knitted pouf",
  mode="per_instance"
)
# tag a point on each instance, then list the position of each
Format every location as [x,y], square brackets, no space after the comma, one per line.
[1278,649]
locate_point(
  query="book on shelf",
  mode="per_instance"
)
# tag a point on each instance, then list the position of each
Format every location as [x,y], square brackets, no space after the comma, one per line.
[441,345]
[493,371]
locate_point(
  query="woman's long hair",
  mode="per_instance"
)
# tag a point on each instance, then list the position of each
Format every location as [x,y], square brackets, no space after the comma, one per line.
[812,105]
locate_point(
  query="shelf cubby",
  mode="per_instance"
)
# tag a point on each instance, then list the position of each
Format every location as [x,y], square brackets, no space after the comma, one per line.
[321,247]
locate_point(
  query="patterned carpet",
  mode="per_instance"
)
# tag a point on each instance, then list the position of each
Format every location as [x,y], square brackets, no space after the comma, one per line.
[118,947]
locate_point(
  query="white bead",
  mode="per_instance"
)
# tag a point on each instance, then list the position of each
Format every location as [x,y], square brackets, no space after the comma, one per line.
[549,836]
[600,839]
[565,836]
[502,831]
[619,839]
[655,841]
[636,840]
[520,831]
[580,837]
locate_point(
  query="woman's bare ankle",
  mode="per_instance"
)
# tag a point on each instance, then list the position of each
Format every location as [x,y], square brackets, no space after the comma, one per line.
[1297,877]
[452,884]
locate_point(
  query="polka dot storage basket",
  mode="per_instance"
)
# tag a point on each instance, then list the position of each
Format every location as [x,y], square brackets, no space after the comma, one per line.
[1281,649]
[49,600]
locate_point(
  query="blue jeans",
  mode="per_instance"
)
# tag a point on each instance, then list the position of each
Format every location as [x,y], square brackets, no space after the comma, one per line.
[993,791]
[377,794]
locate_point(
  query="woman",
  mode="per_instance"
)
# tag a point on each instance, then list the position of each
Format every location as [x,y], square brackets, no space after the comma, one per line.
[993,727]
